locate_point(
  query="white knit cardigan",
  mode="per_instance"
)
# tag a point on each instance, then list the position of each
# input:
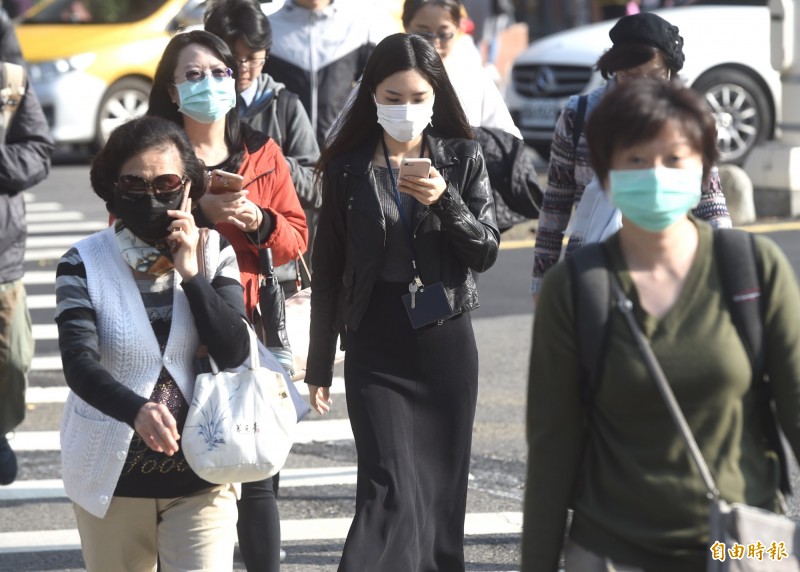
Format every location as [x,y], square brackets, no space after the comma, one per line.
[94,446]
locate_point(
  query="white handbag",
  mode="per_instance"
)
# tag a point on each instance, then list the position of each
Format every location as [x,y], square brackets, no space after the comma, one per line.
[240,425]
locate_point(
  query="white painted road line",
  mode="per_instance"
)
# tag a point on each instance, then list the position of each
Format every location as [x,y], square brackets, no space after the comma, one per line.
[39,277]
[40,301]
[60,216]
[46,363]
[33,490]
[58,394]
[32,255]
[305,432]
[45,331]
[53,240]
[295,530]
[42,207]
[55,227]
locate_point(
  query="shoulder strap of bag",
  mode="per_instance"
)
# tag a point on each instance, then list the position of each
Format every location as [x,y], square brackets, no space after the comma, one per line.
[580,118]
[591,296]
[284,98]
[741,274]
[625,306]
[12,91]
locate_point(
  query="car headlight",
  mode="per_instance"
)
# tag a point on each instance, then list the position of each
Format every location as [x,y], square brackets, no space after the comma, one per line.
[44,71]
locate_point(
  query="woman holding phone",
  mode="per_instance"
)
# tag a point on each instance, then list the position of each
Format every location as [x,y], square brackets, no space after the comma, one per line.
[393,267]
[195,87]
[132,313]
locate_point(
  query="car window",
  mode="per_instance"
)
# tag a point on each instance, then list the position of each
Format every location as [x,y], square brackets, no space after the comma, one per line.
[93,11]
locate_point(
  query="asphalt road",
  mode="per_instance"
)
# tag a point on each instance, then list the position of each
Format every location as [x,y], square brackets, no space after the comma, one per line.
[318,492]
[37,531]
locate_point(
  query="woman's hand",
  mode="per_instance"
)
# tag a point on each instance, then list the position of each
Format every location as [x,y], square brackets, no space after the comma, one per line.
[233,208]
[427,191]
[319,398]
[182,239]
[156,426]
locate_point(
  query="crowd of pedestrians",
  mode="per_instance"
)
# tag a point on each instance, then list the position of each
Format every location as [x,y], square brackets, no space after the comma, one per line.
[318,110]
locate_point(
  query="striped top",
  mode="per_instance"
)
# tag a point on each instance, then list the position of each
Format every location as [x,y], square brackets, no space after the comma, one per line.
[568,174]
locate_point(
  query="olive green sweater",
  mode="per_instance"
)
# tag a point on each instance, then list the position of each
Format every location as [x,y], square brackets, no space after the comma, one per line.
[637,496]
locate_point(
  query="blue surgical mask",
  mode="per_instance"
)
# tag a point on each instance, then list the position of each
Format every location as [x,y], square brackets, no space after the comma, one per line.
[207,100]
[653,199]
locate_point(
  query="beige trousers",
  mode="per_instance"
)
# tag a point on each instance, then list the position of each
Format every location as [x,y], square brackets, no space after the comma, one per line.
[192,533]
[578,559]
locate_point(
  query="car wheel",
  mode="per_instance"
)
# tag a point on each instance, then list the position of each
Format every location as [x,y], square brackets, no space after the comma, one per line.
[124,100]
[741,108]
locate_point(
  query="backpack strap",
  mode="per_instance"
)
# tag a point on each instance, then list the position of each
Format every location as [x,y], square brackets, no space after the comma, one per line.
[591,298]
[12,91]
[741,273]
[580,119]
[283,100]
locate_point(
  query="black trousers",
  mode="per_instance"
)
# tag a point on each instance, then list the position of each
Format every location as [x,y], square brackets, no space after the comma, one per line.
[259,526]
[411,397]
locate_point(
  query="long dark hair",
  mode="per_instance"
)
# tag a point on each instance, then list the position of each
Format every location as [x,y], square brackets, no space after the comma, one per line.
[135,137]
[397,53]
[160,103]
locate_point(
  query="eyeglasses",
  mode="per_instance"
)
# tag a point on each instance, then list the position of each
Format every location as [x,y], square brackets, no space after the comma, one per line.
[251,63]
[626,75]
[443,37]
[195,75]
[136,187]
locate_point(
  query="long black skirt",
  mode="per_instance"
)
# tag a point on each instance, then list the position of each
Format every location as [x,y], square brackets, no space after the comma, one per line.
[411,397]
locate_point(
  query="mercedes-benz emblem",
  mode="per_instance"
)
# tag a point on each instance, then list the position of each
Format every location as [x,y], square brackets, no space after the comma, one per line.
[544,82]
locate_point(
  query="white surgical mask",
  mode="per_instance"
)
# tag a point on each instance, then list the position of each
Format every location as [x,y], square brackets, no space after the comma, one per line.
[405,122]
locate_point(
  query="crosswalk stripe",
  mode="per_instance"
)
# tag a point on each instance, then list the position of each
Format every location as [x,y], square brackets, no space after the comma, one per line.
[45,331]
[58,394]
[46,363]
[43,489]
[33,254]
[40,301]
[60,216]
[306,432]
[31,207]
[48,241]
[292,530]
[38,277]
[77,226]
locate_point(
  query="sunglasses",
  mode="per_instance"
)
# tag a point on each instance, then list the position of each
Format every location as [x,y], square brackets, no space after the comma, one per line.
[443,37]
[137,187]
[195,75]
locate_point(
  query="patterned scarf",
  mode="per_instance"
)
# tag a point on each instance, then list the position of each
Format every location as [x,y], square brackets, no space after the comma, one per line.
[142,256]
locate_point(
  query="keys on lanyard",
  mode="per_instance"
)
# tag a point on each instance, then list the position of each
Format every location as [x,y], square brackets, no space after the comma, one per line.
[415,285]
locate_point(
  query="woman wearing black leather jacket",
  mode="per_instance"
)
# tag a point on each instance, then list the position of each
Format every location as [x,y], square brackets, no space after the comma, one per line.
[379,272]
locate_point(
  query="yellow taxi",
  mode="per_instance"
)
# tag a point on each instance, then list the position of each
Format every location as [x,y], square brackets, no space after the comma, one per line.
[91,62]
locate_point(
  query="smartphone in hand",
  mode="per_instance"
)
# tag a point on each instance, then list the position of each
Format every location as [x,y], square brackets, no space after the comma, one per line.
[225,182]
[417,167]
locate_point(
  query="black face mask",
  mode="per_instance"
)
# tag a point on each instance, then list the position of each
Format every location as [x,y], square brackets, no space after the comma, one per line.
[146,216]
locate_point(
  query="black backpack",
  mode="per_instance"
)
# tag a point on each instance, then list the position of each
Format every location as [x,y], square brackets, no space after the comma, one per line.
[741,274]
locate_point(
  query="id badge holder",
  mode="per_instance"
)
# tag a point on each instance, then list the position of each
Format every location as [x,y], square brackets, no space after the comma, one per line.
[427,305]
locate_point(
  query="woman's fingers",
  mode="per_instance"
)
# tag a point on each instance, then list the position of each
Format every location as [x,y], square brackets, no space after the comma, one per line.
[319,398]
[157,427]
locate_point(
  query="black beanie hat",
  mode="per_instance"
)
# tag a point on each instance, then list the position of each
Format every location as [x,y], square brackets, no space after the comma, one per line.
[651,30]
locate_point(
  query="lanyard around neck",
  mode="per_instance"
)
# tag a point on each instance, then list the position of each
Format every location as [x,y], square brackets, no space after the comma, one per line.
[403,219]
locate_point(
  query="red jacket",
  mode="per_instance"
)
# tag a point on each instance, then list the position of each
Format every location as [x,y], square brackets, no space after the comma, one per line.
[267,178]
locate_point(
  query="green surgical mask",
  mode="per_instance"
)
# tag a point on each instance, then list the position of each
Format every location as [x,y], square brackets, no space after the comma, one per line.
[654,199]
